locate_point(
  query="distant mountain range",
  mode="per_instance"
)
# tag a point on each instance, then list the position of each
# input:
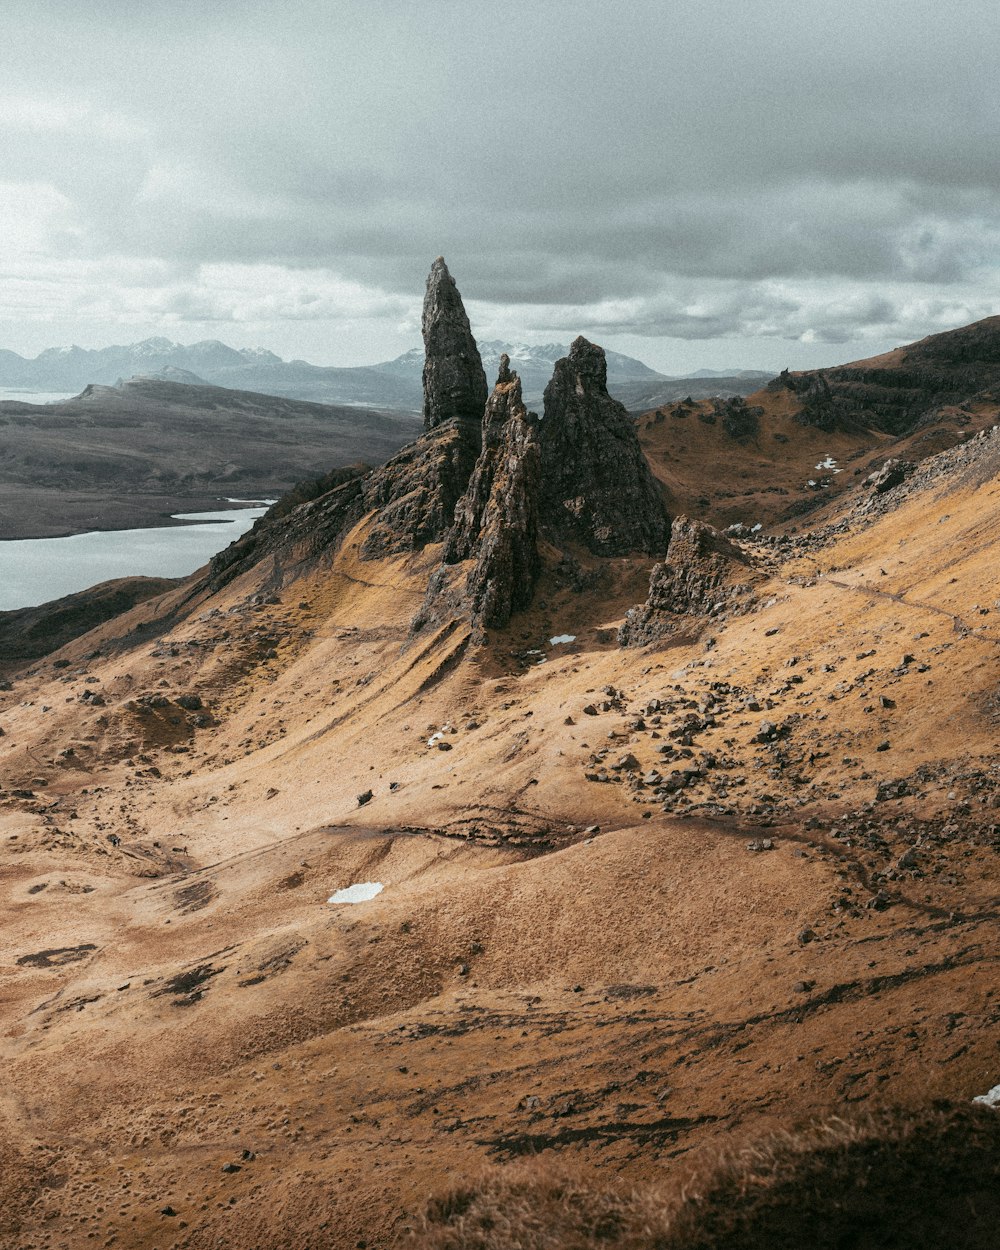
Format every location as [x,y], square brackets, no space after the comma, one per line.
[394,384]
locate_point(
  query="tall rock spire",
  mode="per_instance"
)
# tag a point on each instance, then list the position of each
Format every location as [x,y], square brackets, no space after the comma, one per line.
[413,496]
[597,487]
[454,380]
[496,520]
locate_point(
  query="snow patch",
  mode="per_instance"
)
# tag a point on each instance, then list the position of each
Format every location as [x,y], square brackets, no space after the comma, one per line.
[560,638]
[360,892]
[992,1099]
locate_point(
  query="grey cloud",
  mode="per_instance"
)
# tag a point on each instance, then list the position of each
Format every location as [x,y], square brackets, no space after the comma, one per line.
[562,155]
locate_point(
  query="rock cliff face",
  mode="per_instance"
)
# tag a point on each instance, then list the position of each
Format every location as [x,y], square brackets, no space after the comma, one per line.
[596,485]
[899,392]
[496,520]
[289,534]
[485,478]
[454,379]
[415,493]
[703,573]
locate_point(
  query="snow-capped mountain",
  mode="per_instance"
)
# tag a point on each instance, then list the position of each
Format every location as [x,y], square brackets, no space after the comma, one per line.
[392,384]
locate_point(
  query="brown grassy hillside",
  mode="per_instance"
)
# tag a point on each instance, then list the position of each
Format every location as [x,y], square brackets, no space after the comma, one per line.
[569,959]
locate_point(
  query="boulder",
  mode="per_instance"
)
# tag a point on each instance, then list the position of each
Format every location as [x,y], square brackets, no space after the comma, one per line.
[893,473]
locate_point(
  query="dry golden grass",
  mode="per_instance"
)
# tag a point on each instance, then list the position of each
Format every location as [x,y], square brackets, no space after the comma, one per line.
[915,1180]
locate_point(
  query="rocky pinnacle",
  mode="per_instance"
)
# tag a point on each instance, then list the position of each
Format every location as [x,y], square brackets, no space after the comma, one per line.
[597,486]
[454,379]
[496,520]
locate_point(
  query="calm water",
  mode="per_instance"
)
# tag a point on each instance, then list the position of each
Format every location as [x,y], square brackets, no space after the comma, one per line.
[34,570]
[35,397]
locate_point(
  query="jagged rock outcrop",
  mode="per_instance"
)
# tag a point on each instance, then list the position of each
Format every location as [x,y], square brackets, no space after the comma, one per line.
[904,389]
[304,524]
[597,488]
[414,494]
[454,378]
[740,420]
[893,473]
[496,520]
[703,573]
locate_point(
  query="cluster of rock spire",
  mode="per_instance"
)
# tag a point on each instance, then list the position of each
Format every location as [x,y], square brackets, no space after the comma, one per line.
[489,481]
[487,478]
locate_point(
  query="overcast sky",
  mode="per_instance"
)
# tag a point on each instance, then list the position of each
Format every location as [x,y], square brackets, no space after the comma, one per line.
[768,183]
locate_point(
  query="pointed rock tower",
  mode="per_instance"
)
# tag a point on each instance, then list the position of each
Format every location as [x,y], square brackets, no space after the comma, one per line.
[597,487]
[454,379]
[496,520]
[414,494]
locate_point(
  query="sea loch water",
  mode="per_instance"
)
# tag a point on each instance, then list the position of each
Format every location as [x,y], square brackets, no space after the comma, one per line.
[35,570]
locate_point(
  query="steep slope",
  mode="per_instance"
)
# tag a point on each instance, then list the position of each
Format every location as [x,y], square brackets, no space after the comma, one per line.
[637,901]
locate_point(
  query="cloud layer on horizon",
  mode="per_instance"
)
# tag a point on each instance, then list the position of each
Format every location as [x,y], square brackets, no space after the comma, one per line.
[288,171]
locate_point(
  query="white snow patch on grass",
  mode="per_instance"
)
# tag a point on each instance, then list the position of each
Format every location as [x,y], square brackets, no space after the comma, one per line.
[992,1099]
[554,642]
[360,892]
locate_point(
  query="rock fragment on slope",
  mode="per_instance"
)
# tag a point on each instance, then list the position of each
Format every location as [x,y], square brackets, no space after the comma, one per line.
[597,487]
[703,573]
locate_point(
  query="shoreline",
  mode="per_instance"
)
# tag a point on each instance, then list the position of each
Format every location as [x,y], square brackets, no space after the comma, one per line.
[80,514]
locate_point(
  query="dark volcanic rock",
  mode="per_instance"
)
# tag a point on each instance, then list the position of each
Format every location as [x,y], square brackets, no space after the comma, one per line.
[905,389]
[740,420]
[454,379]
[892,473]
[290,533]
[596,485]
[496,520]
[703,573]
[415,493]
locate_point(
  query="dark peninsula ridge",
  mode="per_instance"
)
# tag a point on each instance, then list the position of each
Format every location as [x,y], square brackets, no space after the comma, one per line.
[126,456]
